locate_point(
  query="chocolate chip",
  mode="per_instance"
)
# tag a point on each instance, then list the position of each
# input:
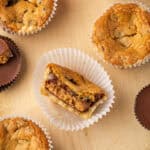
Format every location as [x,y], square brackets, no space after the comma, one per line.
[66,88]
[71,80]
[44,9]
[25,11]
[103,49]
[63,86]
[98,96]
[87,99]
[72,93]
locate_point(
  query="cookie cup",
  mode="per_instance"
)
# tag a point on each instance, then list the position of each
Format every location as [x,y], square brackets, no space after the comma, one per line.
[31,32]
[41,127]
[100,54]
[86,66]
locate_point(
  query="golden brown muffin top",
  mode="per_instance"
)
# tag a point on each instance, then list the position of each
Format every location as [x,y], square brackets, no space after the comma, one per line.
[122,34]
[25,15]
[21,134]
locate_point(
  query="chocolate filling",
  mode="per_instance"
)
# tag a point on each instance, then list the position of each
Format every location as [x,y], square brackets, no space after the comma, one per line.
[80,103]
[71,80]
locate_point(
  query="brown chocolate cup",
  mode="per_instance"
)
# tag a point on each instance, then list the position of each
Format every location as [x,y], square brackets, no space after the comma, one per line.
[142,107]
[10,71]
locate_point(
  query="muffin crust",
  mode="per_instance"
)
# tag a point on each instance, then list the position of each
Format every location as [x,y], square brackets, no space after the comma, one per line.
[122,34]
[21,134]
[25,15]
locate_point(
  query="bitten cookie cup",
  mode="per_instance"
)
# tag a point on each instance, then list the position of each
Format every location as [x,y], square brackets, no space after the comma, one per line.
[87,67]
[23,133]
[10,70]
[72,91]
[30,16]
[142,107]
[122,34]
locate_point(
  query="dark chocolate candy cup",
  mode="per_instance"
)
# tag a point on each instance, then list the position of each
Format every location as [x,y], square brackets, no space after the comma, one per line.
[142,107]
[10,71]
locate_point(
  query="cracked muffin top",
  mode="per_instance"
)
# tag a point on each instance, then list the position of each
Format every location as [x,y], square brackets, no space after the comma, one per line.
[21,134]
[25,15]
[122,34]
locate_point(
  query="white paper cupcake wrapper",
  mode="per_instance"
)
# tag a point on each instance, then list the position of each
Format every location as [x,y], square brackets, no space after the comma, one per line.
[53,12]
[139,62]
[83,64]
[50,143]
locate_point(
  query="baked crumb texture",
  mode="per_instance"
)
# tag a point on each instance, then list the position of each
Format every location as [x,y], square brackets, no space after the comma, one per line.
[21,134]
[122,34]
[25,15]
[5,52]
[71,90]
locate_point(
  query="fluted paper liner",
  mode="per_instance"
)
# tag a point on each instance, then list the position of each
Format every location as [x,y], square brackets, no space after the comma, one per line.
[53,12]
[139,62]
[44,130]
[83,64]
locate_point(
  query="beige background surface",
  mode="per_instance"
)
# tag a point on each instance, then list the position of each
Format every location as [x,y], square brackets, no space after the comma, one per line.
[72,27]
